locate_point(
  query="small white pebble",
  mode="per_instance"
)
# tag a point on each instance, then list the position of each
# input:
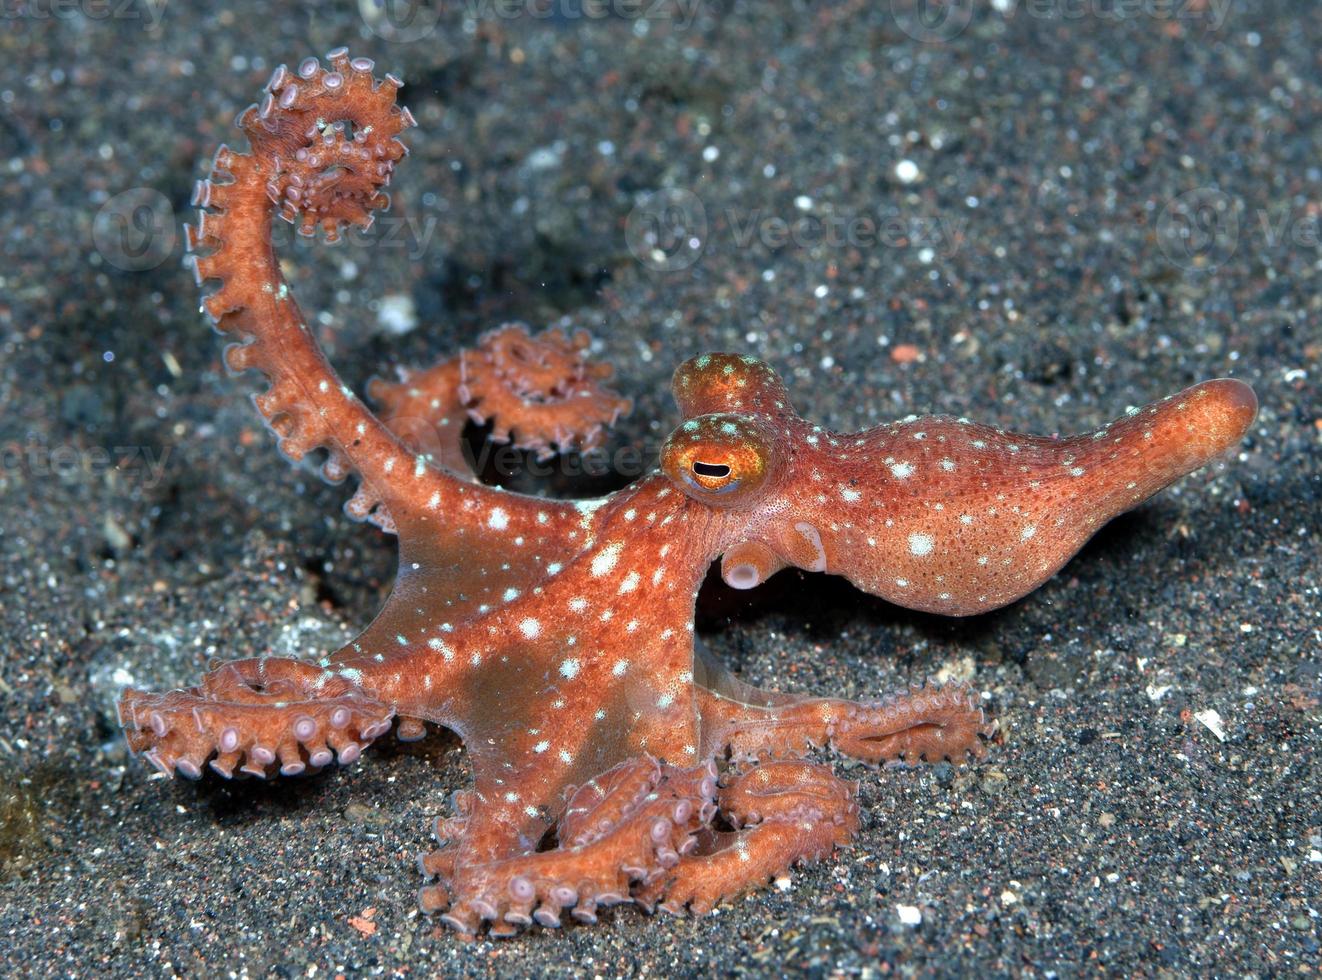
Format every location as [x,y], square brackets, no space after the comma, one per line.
[1211,720]
[395,314]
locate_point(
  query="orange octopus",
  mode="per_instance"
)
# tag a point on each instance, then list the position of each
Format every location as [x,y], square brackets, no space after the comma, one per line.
[612,763]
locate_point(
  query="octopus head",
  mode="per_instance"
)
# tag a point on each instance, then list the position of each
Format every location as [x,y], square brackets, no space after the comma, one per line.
[932,513]
[731,453]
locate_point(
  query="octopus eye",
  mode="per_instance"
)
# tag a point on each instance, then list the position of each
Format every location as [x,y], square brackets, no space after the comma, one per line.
[715,471]
[720,459]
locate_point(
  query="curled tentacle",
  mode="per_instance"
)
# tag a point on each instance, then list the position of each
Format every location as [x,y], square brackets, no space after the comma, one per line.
[254,712]
[324,145]
[540,392]
[639,842]
[785,812]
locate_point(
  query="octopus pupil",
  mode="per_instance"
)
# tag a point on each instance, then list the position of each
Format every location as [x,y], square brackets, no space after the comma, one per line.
[713,470]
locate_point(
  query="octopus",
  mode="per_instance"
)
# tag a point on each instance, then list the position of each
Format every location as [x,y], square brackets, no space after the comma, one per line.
[613,762]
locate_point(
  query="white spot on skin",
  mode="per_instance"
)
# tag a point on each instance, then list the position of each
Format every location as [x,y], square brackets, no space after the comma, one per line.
[902,583]
[920,544]
[578,604]
[541,746]
[1076,471]
[1028,531]
[901,471]
[530,628]
[499,520]
[569,668]
[849,495]
[440,646]
[948,465]
[630,583]
[511,595]
[620,667]
[965,519]
[606,558]
[665,701]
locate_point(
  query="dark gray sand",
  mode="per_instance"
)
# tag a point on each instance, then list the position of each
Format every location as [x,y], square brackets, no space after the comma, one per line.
[1034,216]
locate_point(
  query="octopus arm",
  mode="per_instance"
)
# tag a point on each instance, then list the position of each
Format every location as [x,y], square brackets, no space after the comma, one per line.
[324,145]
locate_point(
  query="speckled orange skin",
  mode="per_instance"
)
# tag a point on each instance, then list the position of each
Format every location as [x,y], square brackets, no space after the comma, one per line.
[556,637]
